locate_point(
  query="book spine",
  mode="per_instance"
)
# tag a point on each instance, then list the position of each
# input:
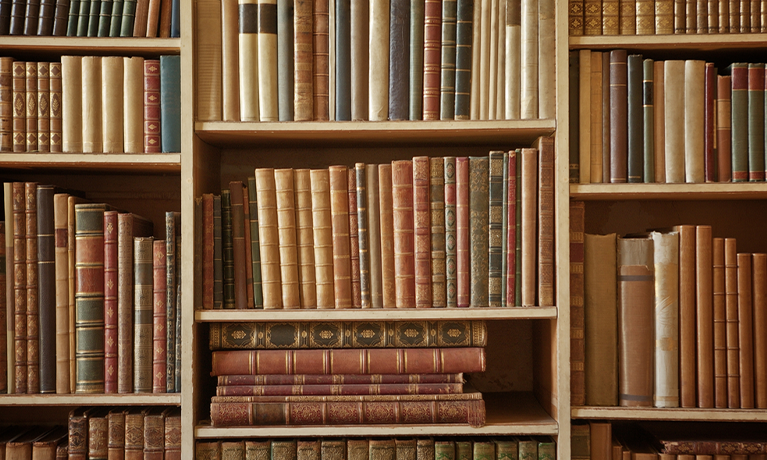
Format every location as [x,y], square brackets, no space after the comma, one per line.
[32,290]
[154,439]
[584,116]
[759,272]
[422,232]
[140,18]
[255,247]
[610,17]
[354,244]
[305,238]
[71,100]
[207,249]
[116,20]
[694,76]
[78,437]
[91,105]
[645,17]
[19,107]
[47,289]
[152,109]
[414,66]
[745,331]
[54,110]
[594,91]
[111,287]
[495,227]
[340,43]
[447,60]
[16,26]
[20,286]
[62,292]
[709,146]
[704,315]
[134,435]
[248,65]
[546,224]
[666,317]
[348,379]
[664,17]
[98,437]
[577,320]
[173,436]
[437,217]
[323,238]
[529,173]
[529,61]
[267,60]
[724,128]
[511,230]
[169,282]
[720,324]
[739,122]
[303,99]
[286,224]
[105,18]
[674,112]
[404,241]
[451,261]
[463,58]
[142,316]
[462,231]
[268,238]
[238,245]
[724,17]
[348,389]
[159,316]
[648,119]
[755,122]
[618,116]
[43,114]
[339,217]
[218,260]
[691,16]
[432,28]
[687,357]
[378,63]
[374,235]
[31,17]
[133,105]
[399,59]
[9,328]
[31,107]
[659,121]
[71,246]
[6,104]
[116,435]
[321,66]
[227,249]
[208,34]
[177,336]
[125,303]
[363,233]
[388,271]
[170,103]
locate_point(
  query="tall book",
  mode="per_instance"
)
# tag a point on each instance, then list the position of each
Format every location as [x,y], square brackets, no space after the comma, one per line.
[724,128]
[91,104]
[60,218]
[618,116]
[255,248]
[341,57]
[152,106]
[478,233]
[666,317]
[72,289]
[286,227]
[674,102]
[268,238]
[595,90]
[720,325]
[463,58]
[451,244]
[437,217]
[511,56]
[247,64]
[399,59]
[133,104]
[694,73]
[142,314]
[363,230]
[170,281]
[267,61]
[227,248]
[447,60]
[422,232]
[303,101]
[759,283]
[584,115]
[739,121]
[577,314]
[635,119]
[229,56]
[10,279]
[46,275]
[755,121]
[529,201]
[31,106]
[745,331]
[305,238]
[159,316]
[495,227]
[378,64]
[112,98]
[19,95]
[6,104]
[339,218]
[111,288]
[404,249]
[321,67]
[709,102]
[687,357]
[385,191]
[659,123]
[4,314]
[170,103]
[354,242]
[545,243]
[463,277]
[32,291]
[529,59]
[323,238]
[20,287]
[704,314]
[238,245]
[432,50]
[374,235]
[414,68]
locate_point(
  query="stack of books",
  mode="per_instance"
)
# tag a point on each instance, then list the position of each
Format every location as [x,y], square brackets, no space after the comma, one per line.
[309,374]
[431,232]
[453,448]
[91,299]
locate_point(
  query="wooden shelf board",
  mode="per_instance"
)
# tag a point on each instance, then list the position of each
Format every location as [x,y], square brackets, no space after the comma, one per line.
[89,45]
[703,42]
[90,399]
[507,414]
[373,314]
[160,162]
[233,134]
[710,191]
[654,413]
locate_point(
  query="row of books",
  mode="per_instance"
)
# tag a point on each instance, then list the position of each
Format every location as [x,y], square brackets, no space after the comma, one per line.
[674,319]
[665,121]
[451,448]
[428,60]
[442,232]
[648,17]
[91,300]
[90,18]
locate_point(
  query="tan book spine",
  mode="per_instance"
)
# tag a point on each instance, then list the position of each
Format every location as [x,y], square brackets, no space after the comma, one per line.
[323,238]
[71,202]
[230,77]
[286,226]
[208,59]
[363,230]
[666,258]
[759,272]
[664,18]
[239,282]
[387,235]
[360,44]
[33,287]
[594,88]
[645,17]
[546,87]
[724,17]
[31,107]
[422,232]
[133,104]
[54,101]
[19,107]
[404,257]
[303,66]
[116,434]
[659,122]
[489,60]
[437,216]
[91,105]
[6,104]
[354,239]
[546,277]
[268,238]
[339,216]
[142,314]
[720,326]
[704,315]
[610,17]
[512,73]
[62,292]
[267,60]
[694,79]
[627,17]
[378,63]
[20,286]
[745,332]
[731,311]
[10,339]
[374,235]
[475,60]
[584,115]
[305,238]
[712,10]
[529,60]
[674,103]
[43,107]
[248,60]
[687,338]
[691,16]
[529,224]
[112,73]
[321,53]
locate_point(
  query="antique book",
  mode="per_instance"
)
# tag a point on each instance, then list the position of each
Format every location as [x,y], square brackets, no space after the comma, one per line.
[112,74]
[374,334]
[759,283]
[529,207]
[425,449]
[463,277]
[387,235]
[495,227]
[339,217]
[584,115]
[231,450]
[422,232]
[111,287]
[739,121]
[78,432]
[133,104]
[354,245]
[208,69]
[4,316]
[659,123]
[594,17]
[91,117]
[10,291]
[357,449]
[303,97]
[238,248]
[745,331]
[363,229]
[755,126]
[374,235]
[305,238]
[340,59]
[595,89]
[720,324]
[529,59]
[152,106]
[432,41]
[451,261]
[709,101]
[321,66]
[115,21]
[286,227]
[159,317]
[687,336]
[46,275]
[575,18]
[142,314]
[154,433]
[545,244]
[247,65]
[168,285]
[6,104]
[513,233]
[153,18]
[72,201]
[172,438]
[577,314]
[723,128]
[414,66]
[20,287]
[60,18]
[447,60]
[378,62]
[337,379]
[32,289]
[463,59]
[344,389]
[674,103]
[694,78]
[704,315]
[98,434]
[255,248]
[618,116]
[404,241]
[212,449]
[19,107]
[601,440]
[170,103]
[134,433]
[268,238]
[267,61]
[610,17]
[43,107]
[323,238]
[141,18]
[285,58]
[342,361]
[20,447]
[104,18]
[399,59]
[437,217]
[47,443]
[478,230]
[666,317]
[31,107]
[635,119]
[177,336]
[484,450]
[207,250]
[225,282]
[116,434]
[601,320]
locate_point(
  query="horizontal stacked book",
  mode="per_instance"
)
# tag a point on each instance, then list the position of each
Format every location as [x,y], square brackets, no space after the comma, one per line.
[282,378]
[89,296]
[377,61]
[431,232]
[91,104]
[659,17]
[526,447]
[90,18]
[674,121]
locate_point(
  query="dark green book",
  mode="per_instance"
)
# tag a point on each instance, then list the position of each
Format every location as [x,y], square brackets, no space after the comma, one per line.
[573,111]
[504,232]
[116,21]
[172,229]
[255,249]
[739,104]
[447,65]
[451,248]
[484,450]
[755,122]
[444,450]
[227,247]
[463,33]
[105,18]
[129,15]
[83,17]
[528,448]
[218,261]
[547,448]
[74,16]
[648,109]
[479,205]
[635,117]
[362,234]
[506,449]
[170,103]
[93,18]
[495,228]
[464,450]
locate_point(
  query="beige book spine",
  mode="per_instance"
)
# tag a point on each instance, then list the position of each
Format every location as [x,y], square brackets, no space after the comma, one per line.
[694,79]
[267,63]
[666,257]
[112,103]
[323,238]
[475,61]
[304,64]
[595,86]
[305,238]
[268,238]
[529,224]
[674,104]
[286,226]
[339,217]
[71,101]
[208,60]
[584,115]
[230,77]
[546,251]
[133,106]
[500,108]
[659,126]
[248,60]
[387,235]
[547,85]
[492,68]
[62,292]
[378,71]
[91,105]
[529,60]
[513,60]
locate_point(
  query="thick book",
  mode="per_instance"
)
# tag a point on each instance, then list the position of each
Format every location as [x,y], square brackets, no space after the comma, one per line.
[363,230]
[704,315]
[170,103]
[577,314]
[286,228]
[152,106]
[339,219]
[373,334]
[437,217]
[105,18]
[720,325]
[46,276]
[478,231]
[666,265]
[91,116]
[172,438]
[154,433]
[618,117]
[98,434]
[31,17]
[388,270]
[115,22]
[337,379]
[343,389]
[422,232]
[462,213]
[529,59]
[414,66]
[447,60]
[404,241]
[159,316]
[116,434]
[323,238]
[305,238]
[19,107]
[267,61]
[354,242]
[142,314]
[71,100]
[350,361]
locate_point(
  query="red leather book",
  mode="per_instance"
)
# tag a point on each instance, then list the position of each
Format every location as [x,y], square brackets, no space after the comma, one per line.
[337,379]
[110,302]
[723,128]
[238,238]
[159,317]
[207,251]
[422,232]
[349,410]
[387,235]
[350,361]
[33,311]
[462,229]
[432,41]
[152,106]
[20,286]
[173,434]
[354,240]
[343,389]
[710,126]
[404,257]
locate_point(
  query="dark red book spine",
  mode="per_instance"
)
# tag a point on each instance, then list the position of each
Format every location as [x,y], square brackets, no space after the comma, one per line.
[110,302]
[462,229]
[422,232]
[404,258]
[337,379]
[238,244]
[343,389]
[709,117]
[152,106]
[511,232]
[207,251]
[159,317]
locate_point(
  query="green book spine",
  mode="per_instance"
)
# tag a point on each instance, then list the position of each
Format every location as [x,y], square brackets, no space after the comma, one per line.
[478,230]
[255,249]
[451,254]
[518,243]
[105,18]
[129,13]
[93,18]
[74,16]
[755,122]
[547,449]
[142,314]
[89,298]
[447,68]
[464,450]
[648,106]
[484,450]
[83,16]
[506,449]
[504,233]
[463,34]
[227,248]
[528,448]
[739,125]
[116,20]
[635,124]
[574,102]
[172,229]
[437,192]
[444,450]
[170,103]
[495,228]
[218,264]
[362,234]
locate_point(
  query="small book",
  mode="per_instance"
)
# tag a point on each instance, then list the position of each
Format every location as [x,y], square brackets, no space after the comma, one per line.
[55,107]
[115,22]
[141,17]
[105,18]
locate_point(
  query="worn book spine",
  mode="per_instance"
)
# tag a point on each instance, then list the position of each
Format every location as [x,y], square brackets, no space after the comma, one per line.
[247,65]
[16,26]
[513,251]
[71,104]
[255,248]
[759,283]
[463,58]
[437,217]
[238,245]
[745,331]
[644,167]
[691,16]
[478,230]
[350,389]
[268,238]
[267,61]
[577,324]
[694,122]
[704,315]
[43,107]
[529,61]
[111,287]
[32,290]
[159,316]
[154,434]
[415,65]
[19,107]
[664,17]
[9,327]
[432,31]
[31,17]
[593,16]
[20,287]
[46,275]
[374,235]
[227,249]
[405,449]
[388,270]
[610,17]
[340,58]
[133,105]
[134,434]
[6,104]
[720,325]
[723,128]
[673,81]
[323,238]
[208,69]
[92,104]
[77,425]
[422,232]
[62,292]
[171,277]
[594,90]
[666,317]
[659,123]
[303,98]
[321,66]
[207,250]
[545,243]
[709,101]
[31,107]
[584,115]
[339,217]
[71,246]
[399,59]
[378,63]
[363,231]
[305,238]
[618,116]
[172,438]
[49,118]
[529,221]
[230,102]
[739,121]
[286,225]
[687,339]
[451,261]
[463,277]
[170,103]
[142,314]
[98,436]
[495,227]
[447,60]
[354,242]
[338,379]
[116,18]
[403,224]
[755,122]
[152,107]
[116,434]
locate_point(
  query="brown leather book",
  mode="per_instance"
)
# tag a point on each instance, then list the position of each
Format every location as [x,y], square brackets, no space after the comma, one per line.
[211,450]
[46,275]
[142,314]
[230,95]
[232,450]
[249,265]
[10,347]
[172,439]
[759,285]
[60,218]
[31,106]
[704,315]
[387,235]
[363,231]
[305,238]
[6,104]
[687,337]
[133,104]
[528,176]
[116,434]
[720,325]
[339,216]
[268,238]
[323,238]
[112,74]
[91,117]
[46,445]
[19,107]
[32,290]
[422,232]
[98,434]
[303,47]
[546,251]
[111,286]
[357,449]
[451,243]
[286,225]
[618,117]
[159,316]
[601,441]
[321,69]
[745,331]
[724,128]
[354,242]
[318,390]
[636,311]
[437,217]
[20,286]
[165,19]
[731,311]
[238,238]
[374,235]
[4,318]
[479,209]
[404,242]
[134,433]
[207,251]
[151,106]
[208,62]
[71,103]
[432,41]
[78,432]
[462,230]
[141,18]
[337,379]
[577,318]
[43,107]
[154,433]
[659,121]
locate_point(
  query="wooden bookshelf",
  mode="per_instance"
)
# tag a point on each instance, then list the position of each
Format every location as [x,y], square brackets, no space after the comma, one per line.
[91,400]
[676,42]
[708,191]
[670,414]
[31,46]
[148,163]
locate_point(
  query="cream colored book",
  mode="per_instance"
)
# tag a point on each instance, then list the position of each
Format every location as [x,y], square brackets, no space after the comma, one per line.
[133,104]
[323,238]
[492,71]
[91,105]
[230,79]
[268,238]
[305,238]
[378,70]
[72,103]
[673,95]
[659,122]
[529,60]
[248,60]
[112,99]
[476,42]
[286,227]
[666,257]
[694,80]
[267,64]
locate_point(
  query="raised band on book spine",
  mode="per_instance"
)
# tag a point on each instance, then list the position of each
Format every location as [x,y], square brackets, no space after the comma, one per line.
[404,249]
[385,190]
[286,226]
[305,238]
[339,217]
[323,238]
[422,232]
[268,238]
[142,314]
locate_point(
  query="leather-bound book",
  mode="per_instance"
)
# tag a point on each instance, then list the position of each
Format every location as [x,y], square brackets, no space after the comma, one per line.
[19,107]
[759,284]
[399,59]
[321,66]
[478,231]
[133,105]
[43,107]
[724,17]
[172,438]
[635,119]
[166,13]
[422,232]
[462,231]
[659,123]
[600,441]
[691,17]
[152,107]
[170,103]
[704,315]
[153,18]
[372,334]
[142,314]
[78,432]
[31,17]
[231,450]
[340,44]
[595,90]
[694,78]
[10,291]
[341,390]
[303,84]
[208,70]
[601,320]
[128,226]
[709,101]
[207,250]
[6,104]
[529,224]
[513,232]
[378,64]
[134,433]
[635,321]
[720,325]
[72,201]
[267,61]
[546,224]
[463,58]
[227,241]
[447,58]
[577,326]
[54,100]
[674,83]
[62,450]
[283,449]
[46,275]
[338,379]
[687,337]
[176,370]
[170,282]
[664,17]
[105,18]
[32,290]
[374,235]
[92,105]
[485,450]
[510,21]
[666,316]
[437,217]
[305,238]
[247,65]
[92,18]
[255,248]
[116,434]
[268,238]
[739,121]
[47,443]
[323,238]
[745,331]
[4,317]
[451,243]
[425,449]
[432,41]
[585,115]
[211,450]
[357,449]
[414,69]
[285,59]
[445,449]
[385,190]
[645,17]
[154,433]
[238,245]
[286,225]
[339,216]
[354,245]
[528,88]
[18,10]
[593,16]
[618,117]
[20,286]
[385,449]
[755,122]
[546,67]
[723,128]
[141,17]
[115,21]
[610,17]
[31,106]
[159,317]
[71,100]
[112,73]
[495,228]
[98,434]
[745,17]
[363,230]
[218,260]
[404,241]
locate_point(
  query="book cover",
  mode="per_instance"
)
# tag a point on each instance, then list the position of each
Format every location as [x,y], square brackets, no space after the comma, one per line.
[133,104]
[529,61]
[60,218]
[739,123]
[321,52]
[447,60]
[268,90]
[529,224]
[91,115]
[20,287]
[432,50]
[709,146]
[495,227]
[111,287]
[46,276]
[374,235]
[238,246]
[659,123]
[19,95]
[759,283]
[343,389]
[208,68]
[227,249]
[399,59]
[378,61]
[618,116]
[112,73]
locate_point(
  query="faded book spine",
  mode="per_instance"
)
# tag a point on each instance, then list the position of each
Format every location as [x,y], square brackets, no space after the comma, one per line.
[462,231]
[142,314]
[323,238]
[47,289]
[451,244]
[344,389]
[404,243]
[478,230]
[354,244]
[255,247]
[339,218]
[20,287]
[374,235]
[546,253]
[387,235]
[495,228]
[666,260]
[62,292]
[337,379]
[268,238]
[437,216]
[33,290]
[363,233]
[577,324]
[529,201]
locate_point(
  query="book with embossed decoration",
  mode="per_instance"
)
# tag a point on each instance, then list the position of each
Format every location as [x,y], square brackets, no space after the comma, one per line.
[159,317]
[10,292]
[238,246]
[336,379]
[342,389]
[437,217]
[255,248]
[134,433]
[111,286]
[91,116]
[227,248]
[422,232]
[463,277]
[19,107]
[78,432]
[152,107]
[98,434]
[172,258]
[577,322]
[32,290]
[478,230]
[154,433]
[354,242]
[173,434]
[6,104]
[116,434]
[451,262]
[43,106]
[142,314]
[495,227]
[20,287]
[31,95]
